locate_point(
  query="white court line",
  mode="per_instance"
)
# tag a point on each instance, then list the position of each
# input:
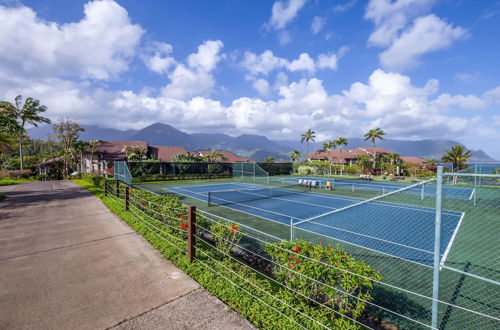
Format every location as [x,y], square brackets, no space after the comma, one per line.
[364,247]
[448,248]
[371,237]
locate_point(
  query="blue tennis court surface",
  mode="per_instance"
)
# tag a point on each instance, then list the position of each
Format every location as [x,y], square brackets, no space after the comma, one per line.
[397,230]
[429,189]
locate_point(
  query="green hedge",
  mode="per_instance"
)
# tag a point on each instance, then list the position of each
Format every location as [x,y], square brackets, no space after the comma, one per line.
[262,299]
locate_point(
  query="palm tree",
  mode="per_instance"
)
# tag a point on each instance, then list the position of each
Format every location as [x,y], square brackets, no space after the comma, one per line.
[24,113]
[79,147]
[372,135]
[458,156]
[295,155]
[92,148]
[341,142]
[308,136]
[214,156]
[394,160]
[329,146]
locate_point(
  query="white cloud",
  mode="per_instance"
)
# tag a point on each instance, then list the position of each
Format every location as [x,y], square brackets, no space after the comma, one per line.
[99,46]
[427,34]
[267,62]
[160,61]
[283,13]
[262,86]
[197,79]
[343,7]
[390,17]
[467,78]
[303,63]
[317,24]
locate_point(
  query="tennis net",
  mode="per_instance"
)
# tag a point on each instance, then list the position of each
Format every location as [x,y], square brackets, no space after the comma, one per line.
[225,197]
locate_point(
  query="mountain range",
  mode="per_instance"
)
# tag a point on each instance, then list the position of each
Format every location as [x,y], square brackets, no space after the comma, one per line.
[256,147]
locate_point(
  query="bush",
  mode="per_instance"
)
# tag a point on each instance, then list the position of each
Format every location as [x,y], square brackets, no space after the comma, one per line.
[96,180]
[334,286]
[305,170]
[16,174]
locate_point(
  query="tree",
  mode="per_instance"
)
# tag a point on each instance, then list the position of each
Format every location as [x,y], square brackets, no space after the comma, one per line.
[269,160]
[329,146]
[187,157]
[67,132]
[457,156]
[92,148]
[80,147]
[134,153]
[341,142]
[214,156]
[307,137]
[364,161]
[295,155]
[373,135]
[28,112]
[394,160]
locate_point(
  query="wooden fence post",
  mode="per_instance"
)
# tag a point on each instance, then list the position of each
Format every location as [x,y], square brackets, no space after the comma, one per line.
[126,197]
[117,188]
[191,232]
[105,188]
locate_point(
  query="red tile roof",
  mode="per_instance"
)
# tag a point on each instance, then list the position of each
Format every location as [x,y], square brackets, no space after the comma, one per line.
[380,151]
[413,159]
[230,157]
[165,153]
[112,150]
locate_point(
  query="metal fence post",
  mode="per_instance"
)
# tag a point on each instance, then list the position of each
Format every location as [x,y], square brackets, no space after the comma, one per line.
[191,232]
[117,188]
[127,198]
[422,192]
[291,230]
[437,246]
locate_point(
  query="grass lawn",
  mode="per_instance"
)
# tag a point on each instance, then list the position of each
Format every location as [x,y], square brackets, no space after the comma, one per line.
[8,182]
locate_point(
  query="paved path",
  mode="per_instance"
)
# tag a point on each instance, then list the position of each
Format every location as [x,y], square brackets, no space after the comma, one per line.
[66,262]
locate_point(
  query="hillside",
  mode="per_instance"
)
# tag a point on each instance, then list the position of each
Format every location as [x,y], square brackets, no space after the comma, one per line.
[256,147]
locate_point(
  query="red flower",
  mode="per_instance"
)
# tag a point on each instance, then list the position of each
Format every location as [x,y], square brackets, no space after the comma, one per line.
[130,191]
[298,262]
[183,225]
[320,243]
[144,203]
[234,229]
[291,264]
[297,249]
[293,257]
[182,217]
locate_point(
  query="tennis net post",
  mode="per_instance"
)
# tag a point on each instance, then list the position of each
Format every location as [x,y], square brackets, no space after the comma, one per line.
[437,245]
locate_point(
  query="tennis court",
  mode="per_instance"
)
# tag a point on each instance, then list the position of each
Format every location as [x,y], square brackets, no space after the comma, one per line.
[428,190]
[399,230]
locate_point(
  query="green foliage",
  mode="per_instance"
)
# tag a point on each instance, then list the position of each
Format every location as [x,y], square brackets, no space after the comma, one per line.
[2,197]
[226,235]
[16,174]
[305,170]
[161,220]
[96,180]
[334,286]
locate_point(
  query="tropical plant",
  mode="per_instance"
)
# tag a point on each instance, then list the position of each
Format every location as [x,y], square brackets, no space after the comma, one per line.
[27,112]
[187,157]
[341,142]
[307,137]
[394,161]
[214,156]
[92,148]
[67,132]
[134,153]
[363,161]
[269,160]
[458,156]
[295,155]
[79,148]
[329,145]
[373,135]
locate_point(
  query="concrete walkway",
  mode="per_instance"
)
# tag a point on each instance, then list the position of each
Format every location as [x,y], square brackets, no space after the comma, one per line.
[66,262]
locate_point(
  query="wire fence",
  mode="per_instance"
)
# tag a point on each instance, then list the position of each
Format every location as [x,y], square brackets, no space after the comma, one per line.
[402,259]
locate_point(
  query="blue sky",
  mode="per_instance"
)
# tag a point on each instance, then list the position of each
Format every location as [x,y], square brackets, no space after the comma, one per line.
[417,69]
